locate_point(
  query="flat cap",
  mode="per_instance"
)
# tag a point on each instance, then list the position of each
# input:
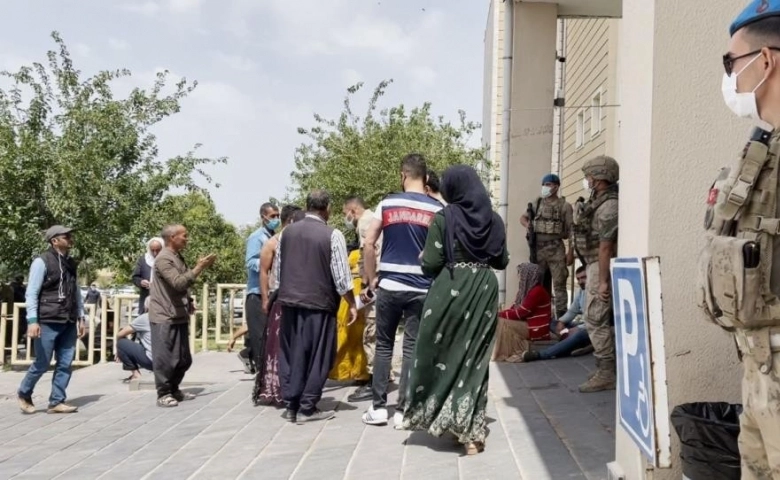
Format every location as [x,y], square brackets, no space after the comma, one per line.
[57,230]
[755,11]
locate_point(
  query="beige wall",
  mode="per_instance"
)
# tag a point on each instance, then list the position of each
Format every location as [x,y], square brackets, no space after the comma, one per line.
[492,93]
[590,45]
[674,133]
[531,139]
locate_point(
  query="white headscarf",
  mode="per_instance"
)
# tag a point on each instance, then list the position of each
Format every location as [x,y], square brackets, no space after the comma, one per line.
[148,256]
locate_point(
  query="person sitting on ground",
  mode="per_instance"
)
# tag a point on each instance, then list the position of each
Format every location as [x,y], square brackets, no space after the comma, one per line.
[135,355]
[527,320]
[571,329]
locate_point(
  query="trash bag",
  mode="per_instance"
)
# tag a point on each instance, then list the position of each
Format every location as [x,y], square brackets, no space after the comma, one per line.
[708,433]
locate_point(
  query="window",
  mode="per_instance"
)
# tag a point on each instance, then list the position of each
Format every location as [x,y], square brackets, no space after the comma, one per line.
[580,141]
[596,115]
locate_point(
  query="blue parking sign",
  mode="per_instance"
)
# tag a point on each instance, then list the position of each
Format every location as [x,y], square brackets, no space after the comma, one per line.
[634,375]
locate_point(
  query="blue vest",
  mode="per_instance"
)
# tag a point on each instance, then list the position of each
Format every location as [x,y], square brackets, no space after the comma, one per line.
[405,221]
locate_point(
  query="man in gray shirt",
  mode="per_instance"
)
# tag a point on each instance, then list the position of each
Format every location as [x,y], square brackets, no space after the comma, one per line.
[135,355]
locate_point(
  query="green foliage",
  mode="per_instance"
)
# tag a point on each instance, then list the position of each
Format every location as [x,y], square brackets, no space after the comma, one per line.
[208,232]
[71,153]
[362,156]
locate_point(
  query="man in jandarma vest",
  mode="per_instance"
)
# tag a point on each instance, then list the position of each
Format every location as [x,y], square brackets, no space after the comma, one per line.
[740,265]
[595,238]
[552,225]
[55,319]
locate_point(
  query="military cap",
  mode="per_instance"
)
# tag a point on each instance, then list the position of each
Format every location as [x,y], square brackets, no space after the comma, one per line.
[56,231]
[755,11]
[602,168]
[551,178]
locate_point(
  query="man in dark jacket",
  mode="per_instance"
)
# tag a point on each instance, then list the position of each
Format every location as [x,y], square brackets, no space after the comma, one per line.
[55,318]
[313,272]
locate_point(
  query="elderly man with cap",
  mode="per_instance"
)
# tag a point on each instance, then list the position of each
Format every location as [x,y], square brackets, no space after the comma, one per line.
[743,236]
[552,221]
[55,319]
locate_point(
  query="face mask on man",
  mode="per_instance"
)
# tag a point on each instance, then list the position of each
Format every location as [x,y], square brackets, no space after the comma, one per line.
[546,191]
[586,185]
[349,222]
[273,223]
[744,104]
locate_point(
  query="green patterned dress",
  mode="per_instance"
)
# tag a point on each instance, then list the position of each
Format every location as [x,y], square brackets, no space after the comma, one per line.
[448,384]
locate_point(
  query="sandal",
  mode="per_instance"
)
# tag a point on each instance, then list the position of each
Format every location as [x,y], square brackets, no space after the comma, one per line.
[128,379]
[473,448]
[183,396]
[167,401]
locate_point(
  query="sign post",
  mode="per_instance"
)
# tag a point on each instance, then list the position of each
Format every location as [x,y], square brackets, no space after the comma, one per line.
[641,366]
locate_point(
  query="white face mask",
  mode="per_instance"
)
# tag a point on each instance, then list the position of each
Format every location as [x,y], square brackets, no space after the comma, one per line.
[546,191]
[742,104]
[585,185]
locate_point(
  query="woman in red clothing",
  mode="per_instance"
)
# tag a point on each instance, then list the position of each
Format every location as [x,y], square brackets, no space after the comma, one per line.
[527,320]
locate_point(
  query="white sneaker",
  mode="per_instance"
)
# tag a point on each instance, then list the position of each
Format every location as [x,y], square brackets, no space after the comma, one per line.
[398,420]
[375,417]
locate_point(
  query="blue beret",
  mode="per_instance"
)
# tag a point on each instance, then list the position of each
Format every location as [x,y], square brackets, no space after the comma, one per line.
[553,178]
[755,11]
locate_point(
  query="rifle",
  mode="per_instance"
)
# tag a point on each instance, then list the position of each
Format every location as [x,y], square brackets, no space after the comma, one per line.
[580,204]
[531,234]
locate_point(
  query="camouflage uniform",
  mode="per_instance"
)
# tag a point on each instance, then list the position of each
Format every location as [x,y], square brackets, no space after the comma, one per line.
[369,333]
[596,223]
[741,292]
[552,225]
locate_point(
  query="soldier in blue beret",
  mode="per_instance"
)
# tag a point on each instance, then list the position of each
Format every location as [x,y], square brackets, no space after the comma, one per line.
[550,220]
[743,235]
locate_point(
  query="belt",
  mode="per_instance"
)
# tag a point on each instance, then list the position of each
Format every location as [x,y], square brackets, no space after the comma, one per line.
[467,265]
[548,242]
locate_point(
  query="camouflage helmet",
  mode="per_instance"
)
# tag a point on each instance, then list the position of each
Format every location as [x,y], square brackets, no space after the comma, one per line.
[602,168]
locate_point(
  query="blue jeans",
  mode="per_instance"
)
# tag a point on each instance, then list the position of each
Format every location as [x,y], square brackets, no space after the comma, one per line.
[578,339]
[58,339]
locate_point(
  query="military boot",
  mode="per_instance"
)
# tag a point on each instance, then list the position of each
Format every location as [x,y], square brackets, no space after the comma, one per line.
[603,379]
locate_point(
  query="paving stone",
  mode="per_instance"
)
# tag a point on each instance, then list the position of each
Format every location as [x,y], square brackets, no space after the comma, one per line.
[541,427]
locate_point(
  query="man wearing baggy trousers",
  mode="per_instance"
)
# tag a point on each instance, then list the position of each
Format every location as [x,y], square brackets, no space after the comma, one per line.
[170,307]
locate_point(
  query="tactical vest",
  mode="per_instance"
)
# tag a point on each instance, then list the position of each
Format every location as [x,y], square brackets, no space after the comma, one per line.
[57,301]
[549,217]
[586,240]
[734,281]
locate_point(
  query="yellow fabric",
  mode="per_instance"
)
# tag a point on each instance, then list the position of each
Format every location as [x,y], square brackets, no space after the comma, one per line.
[350,361]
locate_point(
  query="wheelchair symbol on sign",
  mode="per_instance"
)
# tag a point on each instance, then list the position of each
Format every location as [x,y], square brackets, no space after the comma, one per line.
[644,419]
[631,349]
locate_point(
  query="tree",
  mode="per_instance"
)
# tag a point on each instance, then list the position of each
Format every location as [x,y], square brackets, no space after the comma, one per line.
[208,232]
[71,153]
[354,156]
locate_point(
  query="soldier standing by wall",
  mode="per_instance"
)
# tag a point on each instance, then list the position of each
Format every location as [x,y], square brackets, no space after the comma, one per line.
[740,267]
[595,238]
[552,224]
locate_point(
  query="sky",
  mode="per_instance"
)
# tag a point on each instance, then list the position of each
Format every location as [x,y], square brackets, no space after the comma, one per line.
[263,67]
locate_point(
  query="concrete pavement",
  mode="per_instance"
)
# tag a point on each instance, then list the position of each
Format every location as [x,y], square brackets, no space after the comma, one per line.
[541,428]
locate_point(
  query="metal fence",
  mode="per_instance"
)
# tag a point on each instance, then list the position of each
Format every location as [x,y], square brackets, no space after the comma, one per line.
[104,322]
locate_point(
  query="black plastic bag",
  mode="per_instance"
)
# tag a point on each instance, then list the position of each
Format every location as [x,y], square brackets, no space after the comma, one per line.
[708,433]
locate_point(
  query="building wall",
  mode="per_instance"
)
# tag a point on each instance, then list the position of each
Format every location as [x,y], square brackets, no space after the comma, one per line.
[674,134]
[590,72]
[492,93]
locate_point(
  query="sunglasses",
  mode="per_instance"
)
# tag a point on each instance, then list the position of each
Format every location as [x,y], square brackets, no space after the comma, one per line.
[728,60]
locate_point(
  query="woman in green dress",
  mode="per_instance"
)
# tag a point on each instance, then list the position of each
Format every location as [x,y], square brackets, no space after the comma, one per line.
[448,384]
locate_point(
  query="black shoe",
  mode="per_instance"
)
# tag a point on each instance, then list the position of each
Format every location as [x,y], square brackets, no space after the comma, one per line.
[314,416]
[530,356]
[361,394]
[290,415]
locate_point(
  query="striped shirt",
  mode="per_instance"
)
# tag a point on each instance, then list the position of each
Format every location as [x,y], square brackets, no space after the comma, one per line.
[405,219]
[339,260]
